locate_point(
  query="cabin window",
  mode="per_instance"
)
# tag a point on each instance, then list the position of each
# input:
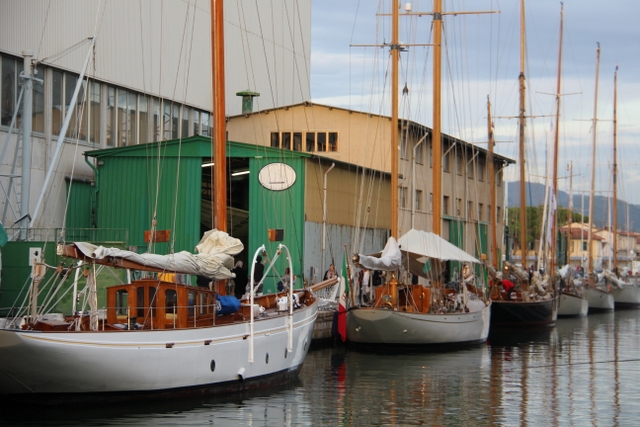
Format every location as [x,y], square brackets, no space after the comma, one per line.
[203,303]
[140,302]
[152,298]
[171,298]
[275,140]
[192,303]
[122,302]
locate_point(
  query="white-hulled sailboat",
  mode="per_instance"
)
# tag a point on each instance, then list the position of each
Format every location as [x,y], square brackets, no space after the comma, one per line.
[158,338]
[411,314]
[595,290]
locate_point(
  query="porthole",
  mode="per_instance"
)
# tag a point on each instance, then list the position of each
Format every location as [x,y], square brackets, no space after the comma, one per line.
[212,365]
[266,359]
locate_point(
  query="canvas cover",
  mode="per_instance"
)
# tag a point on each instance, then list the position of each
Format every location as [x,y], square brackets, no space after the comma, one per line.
[214,260]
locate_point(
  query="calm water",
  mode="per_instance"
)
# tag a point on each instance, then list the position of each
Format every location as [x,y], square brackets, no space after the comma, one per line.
[582,372]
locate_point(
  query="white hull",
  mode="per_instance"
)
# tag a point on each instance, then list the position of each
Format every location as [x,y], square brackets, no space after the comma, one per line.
[382,326]
[598,299]
[573,305]
[152,360]
[629,295]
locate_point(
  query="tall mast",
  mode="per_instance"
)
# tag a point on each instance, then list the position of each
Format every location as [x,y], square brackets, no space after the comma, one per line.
[394,118]
[570,211]
[593,166]
[521,124]
[436,139]
[615,172]
[554,194]
[219,140]
[492,181]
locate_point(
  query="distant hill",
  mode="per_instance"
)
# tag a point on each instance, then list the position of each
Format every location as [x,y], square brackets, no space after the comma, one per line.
[535,197]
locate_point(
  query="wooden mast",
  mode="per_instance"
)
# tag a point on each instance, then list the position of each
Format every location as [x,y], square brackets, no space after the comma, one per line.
[394,118]
[556,144]
[436,139]
[615,173]
[219,140]
[593,166]
[521,125]
[492,180]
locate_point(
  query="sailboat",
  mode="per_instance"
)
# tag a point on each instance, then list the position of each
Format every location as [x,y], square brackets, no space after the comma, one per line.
[572,302]
[518,297]
[157,338]
[625,293]
[405,314]
[596,290]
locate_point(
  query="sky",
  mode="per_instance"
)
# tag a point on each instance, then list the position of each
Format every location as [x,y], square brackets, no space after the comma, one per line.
[481,59]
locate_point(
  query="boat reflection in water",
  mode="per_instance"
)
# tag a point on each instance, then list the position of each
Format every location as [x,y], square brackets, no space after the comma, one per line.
[580,372]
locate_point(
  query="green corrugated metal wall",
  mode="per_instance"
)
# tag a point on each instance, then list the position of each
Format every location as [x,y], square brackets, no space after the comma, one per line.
[80,202]
[130,195]
[278,210]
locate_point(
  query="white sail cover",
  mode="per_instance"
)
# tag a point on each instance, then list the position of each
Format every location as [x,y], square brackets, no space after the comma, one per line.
[430,245]
[214,260]
[389,260]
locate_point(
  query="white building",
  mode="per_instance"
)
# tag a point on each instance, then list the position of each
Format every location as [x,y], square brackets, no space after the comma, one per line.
[148,79]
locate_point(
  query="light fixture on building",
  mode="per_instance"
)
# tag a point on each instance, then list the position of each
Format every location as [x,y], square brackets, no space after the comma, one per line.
[240,173]
[206,165]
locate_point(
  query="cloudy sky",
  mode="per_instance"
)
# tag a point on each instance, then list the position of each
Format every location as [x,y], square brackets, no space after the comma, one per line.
[481,58]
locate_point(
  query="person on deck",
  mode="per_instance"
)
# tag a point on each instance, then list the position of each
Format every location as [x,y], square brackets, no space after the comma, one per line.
[258,273]
[508,286]
[330,273]
[241,279]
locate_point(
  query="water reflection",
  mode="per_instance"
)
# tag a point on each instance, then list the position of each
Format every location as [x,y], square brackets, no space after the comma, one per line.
[584,371]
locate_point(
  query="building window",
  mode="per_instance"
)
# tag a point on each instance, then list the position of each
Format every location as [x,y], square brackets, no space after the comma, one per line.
[310,139]
[8,86]
[418,200]
[402,196]
[445,161]
[498,215]
[458,207]
[275,140]
[459,163]
[445,205]
[157,120]
[430,202]
[333,141]
[418,154]
[480,170]
[91,116]
[37,113]
[196,122]
[584,246]
[111,115]
[185,121]
[470,167]
[403,147]
[470,209]
[206,124]
[286,141]
[480,211]
[322,141]
[297,141]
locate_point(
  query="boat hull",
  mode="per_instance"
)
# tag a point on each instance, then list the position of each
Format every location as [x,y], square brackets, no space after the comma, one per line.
[153,362]
[381,326]
[599,300]
[572,305]
[524,312]
[627,297]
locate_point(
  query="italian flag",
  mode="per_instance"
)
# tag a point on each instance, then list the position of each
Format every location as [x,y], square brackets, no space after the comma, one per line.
[342,302]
